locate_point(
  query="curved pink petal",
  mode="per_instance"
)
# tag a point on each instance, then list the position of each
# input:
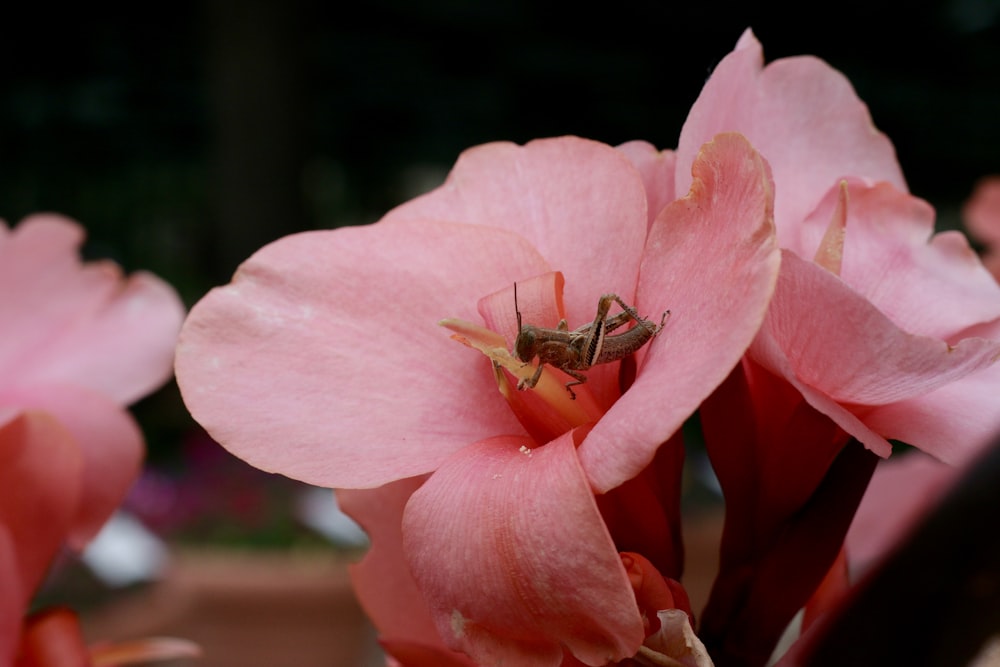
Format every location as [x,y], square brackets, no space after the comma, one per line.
[382,580]
[712,260]
[840,344]
[517,575]
[81,323]
[657,169]
[40,471]
[323,359]
[569,197]
[804,118]
[932,285]
[107,438]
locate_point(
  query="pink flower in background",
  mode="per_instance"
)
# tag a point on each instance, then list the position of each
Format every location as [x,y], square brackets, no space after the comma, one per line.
[323,360]
[79,342]
[982,218]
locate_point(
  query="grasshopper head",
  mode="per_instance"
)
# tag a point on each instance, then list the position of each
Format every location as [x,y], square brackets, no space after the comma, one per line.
[524,344]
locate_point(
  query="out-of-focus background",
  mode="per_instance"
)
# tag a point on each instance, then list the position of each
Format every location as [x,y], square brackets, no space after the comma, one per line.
[185,136]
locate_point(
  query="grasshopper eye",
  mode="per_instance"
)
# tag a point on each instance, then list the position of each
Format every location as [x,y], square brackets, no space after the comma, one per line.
[524,344]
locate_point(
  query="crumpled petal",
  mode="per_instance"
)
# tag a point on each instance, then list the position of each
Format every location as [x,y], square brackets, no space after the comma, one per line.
[712,259]
[677,640]
[544,571]
[69,322]
[40,470]
[108,439]
[570,197]
[323,358]
[801,98]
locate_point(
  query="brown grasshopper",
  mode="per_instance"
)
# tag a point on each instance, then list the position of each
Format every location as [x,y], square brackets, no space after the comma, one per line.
[591,344]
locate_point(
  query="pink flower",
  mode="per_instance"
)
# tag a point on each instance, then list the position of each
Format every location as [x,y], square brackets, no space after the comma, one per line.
[878,330]
[323,360]
[79,342]
[982,217]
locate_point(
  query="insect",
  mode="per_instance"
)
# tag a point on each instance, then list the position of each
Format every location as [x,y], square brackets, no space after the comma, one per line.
[577,350]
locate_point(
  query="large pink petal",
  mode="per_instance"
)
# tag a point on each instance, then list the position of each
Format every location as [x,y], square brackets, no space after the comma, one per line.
[40,471]
[932,285]
[107,437]
[75,323]
[657,169]
[840,344]
[323,360]
[804,118]
[581,203]
[712,260]
[508,546]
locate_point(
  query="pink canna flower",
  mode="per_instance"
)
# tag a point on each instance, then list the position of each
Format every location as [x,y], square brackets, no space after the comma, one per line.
[878,330]
[79,343]
[514,527]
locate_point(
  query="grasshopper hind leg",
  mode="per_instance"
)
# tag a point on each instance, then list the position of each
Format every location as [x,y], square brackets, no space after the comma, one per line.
[580,378]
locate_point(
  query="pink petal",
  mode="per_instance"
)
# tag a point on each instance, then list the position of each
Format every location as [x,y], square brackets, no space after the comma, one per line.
[569,197]
[711,259]
[804,118]
[508,546]
[840,344]
[106,436]
[40,471]
[324,360]
[657,169]
[75,323]
[932,285]
[382,581]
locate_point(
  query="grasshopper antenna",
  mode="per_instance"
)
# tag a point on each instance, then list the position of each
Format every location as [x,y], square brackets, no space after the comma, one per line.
[516,309]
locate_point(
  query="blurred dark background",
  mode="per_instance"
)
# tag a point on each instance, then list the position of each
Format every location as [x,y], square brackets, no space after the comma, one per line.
[185,136]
